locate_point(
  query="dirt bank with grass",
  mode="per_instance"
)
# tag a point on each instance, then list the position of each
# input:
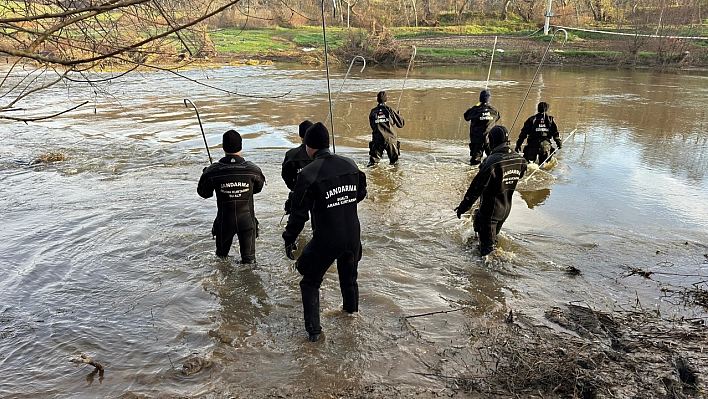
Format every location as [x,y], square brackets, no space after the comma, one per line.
[620,51]
[451,49]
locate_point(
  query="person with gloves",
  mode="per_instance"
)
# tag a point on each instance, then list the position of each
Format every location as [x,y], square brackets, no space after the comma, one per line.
[234,180]
[295,159]
[384,121]
[482,117]
[494,185]
[538,131]
[329,189]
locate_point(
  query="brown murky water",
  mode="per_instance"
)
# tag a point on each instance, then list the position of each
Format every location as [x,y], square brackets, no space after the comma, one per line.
[109,253]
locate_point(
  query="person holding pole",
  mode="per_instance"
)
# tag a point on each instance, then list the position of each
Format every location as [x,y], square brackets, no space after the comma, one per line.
[384,121]
[538,131]
[234,180]
[482,118]
[329,188]
[295,159]
[494,184]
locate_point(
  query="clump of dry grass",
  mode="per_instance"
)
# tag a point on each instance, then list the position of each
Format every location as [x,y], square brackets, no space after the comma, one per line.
[49,157]
[579,352]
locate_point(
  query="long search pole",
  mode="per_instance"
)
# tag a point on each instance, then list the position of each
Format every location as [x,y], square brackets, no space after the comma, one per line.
[187,102]
[329,90]
[490,63]
[552,153]
[410,62]
[537,71]
[345,79]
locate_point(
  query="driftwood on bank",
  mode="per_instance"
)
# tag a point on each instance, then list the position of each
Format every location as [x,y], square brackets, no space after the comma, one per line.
[88,360]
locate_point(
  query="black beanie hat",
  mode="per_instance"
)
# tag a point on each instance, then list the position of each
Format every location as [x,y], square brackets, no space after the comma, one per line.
[543,106]
[232,142]
[303,127]
[484,96]
[381,97]
[498,135]
[317,136]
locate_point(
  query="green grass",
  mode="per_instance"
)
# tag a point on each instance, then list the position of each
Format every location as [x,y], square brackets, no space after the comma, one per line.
[406,32]
[256,41]
[260,41]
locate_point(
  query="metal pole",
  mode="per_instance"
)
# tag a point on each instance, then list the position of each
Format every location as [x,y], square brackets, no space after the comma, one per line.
[490,63]
[345,79]
[548,15]
[549,157]
[186,100]
[537,71]
[410,62]
[329,90]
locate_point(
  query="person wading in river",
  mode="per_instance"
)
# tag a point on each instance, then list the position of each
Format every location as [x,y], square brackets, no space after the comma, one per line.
[384,121]
[538,131]
[329,188]
[494,184]
[482,118]
[235,180]
[295,159]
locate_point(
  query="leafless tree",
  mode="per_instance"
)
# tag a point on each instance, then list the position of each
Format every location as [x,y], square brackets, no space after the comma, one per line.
[64,40]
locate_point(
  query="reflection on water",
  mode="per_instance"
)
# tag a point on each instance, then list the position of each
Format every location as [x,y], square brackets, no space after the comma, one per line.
[109,253]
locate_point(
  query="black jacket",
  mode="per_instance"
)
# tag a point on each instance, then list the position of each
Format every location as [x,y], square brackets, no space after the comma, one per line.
[235,180]
[384,121]
[538,128]
[495,183]
[482,118]
[295,159]
[330,188]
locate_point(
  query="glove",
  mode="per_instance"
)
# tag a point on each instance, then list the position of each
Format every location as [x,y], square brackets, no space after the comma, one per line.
[289,250]
[559,145]
[462,208]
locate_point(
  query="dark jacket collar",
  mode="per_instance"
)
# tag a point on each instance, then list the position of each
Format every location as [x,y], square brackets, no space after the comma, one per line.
[324,152]
[231,159]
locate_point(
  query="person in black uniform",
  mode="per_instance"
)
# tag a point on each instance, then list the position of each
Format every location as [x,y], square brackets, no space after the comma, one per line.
[482,118]
[235,180]
[494,184]
[329,188]
[538,130]
[295,159]
[384,121]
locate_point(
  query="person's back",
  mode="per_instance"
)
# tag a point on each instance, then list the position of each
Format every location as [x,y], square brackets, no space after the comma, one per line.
[235,181]
[504,167]
[538,131]
[383,121]
[295,159]
[334,185]
[482,118]
[494,185]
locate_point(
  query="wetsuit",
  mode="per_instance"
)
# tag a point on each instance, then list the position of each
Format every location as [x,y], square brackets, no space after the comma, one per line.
[295,159]
[329,188]
[495,184]
[384,121]
[538,130]
[482,118]
[235,180]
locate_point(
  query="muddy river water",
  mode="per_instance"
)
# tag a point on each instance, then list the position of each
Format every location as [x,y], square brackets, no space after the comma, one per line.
[108,253]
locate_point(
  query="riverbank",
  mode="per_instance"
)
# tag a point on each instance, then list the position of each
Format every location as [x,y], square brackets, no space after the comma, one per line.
[450,49]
